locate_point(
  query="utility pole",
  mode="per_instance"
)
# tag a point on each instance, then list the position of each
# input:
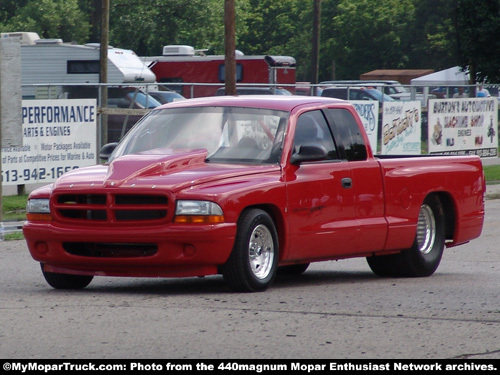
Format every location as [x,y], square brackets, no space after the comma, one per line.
[315,43]
[103,69]
[230,47]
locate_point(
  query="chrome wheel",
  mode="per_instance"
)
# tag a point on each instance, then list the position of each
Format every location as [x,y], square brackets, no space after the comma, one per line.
[261,251]
[253,263]
[424,256]
[426,229]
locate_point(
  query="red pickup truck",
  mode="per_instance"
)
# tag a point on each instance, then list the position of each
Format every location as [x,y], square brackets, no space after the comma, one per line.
[248,187]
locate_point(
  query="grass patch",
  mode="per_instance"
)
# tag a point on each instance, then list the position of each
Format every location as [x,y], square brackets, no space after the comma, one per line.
[14,236]
[14,207]
[492,173]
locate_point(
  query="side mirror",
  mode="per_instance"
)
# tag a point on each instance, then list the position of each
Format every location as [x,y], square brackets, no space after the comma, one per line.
[309,153]
[107,150]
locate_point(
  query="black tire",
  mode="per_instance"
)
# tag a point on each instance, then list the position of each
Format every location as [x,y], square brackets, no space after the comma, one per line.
[66,281]
[253,263]
[423,258]
[293,269]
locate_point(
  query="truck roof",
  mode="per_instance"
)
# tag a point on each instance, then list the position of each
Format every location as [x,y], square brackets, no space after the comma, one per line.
[284,103]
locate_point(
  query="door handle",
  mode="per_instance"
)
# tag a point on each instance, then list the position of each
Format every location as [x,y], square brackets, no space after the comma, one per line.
[346,183]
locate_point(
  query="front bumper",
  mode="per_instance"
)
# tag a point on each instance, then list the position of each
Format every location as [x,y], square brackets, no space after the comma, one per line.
[172,250]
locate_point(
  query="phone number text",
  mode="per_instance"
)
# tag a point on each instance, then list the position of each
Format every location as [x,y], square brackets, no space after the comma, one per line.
[34,174]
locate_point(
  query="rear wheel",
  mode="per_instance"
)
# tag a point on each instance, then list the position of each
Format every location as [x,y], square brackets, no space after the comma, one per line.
[423,258]
[66,281]
[253,262]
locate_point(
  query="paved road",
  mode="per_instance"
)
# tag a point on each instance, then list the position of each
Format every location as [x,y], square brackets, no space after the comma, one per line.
[335,310]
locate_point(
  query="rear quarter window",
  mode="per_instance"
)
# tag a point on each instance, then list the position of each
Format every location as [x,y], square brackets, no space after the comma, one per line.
[349,137]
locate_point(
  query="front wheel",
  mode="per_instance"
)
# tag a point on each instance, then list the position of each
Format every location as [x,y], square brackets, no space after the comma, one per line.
[66,281]
[423,258]
[252,265]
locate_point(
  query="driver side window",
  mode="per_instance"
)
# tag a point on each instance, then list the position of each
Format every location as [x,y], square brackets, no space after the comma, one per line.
[312,129]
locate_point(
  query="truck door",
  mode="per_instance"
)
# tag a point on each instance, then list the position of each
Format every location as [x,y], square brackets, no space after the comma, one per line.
[367,187]
[321,201]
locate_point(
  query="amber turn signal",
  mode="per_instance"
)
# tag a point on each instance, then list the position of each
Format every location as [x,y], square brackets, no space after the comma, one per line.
[199,219]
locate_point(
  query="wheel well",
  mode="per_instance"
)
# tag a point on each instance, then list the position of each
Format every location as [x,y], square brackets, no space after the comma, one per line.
[449,213]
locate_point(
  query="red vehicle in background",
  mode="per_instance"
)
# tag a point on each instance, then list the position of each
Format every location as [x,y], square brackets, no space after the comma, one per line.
[180,65]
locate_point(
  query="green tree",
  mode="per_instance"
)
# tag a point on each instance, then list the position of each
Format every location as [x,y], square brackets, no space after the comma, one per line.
[9,8]
[92,10]
[50,19]
[145,26]
[278,28]
[478,27]
[365,35]
[433,35]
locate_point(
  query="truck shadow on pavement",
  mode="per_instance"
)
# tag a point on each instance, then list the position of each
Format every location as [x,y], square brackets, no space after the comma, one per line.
[215,284]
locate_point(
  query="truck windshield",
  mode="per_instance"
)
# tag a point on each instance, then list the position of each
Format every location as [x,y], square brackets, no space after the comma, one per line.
[228,134]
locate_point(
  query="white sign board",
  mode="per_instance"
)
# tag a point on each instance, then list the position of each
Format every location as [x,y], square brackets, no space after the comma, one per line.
[368,111]
[401,128]
[463,126]
[58,135]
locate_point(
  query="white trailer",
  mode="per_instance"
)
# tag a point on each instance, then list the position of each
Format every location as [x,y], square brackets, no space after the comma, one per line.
[50,61]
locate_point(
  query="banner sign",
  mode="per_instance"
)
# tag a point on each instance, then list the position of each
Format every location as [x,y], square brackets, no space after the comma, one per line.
[58,135]
[368,111]
[401,129]
[463,126]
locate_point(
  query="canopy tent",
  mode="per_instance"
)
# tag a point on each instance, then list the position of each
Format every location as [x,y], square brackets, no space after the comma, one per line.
[448,77]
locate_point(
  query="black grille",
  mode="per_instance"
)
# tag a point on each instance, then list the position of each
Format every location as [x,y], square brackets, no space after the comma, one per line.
[111,207]
[109,250]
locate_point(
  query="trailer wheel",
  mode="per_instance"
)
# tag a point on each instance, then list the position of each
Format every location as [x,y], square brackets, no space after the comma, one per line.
[253,262]
[66,281]
[423,258]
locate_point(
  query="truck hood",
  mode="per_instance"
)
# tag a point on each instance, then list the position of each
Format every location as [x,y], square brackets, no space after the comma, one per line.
[161,168]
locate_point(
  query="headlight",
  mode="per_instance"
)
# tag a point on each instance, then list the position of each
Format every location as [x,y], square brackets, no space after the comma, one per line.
[205,212]
[38,206]
[38,210]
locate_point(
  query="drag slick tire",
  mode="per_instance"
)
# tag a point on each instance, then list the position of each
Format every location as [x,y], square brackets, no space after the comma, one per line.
[66,281]
[423,258]
[253,263]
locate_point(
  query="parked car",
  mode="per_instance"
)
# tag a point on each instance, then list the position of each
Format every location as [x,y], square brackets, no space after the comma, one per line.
[166,96]
[247,186]
[388,87]
[124,97]
[392,88]
[255,91]
[356,93]
[305,88]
